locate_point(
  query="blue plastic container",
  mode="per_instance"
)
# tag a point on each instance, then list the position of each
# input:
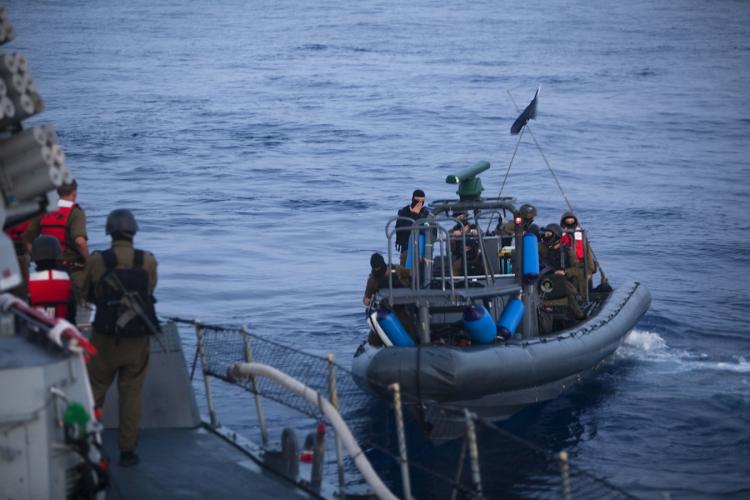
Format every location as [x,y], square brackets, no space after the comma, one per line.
[421,250]
[530,257]
[394,329]
[510,319]
[479,323]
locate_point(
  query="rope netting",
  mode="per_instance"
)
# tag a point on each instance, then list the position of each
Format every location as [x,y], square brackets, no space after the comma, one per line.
[509,466]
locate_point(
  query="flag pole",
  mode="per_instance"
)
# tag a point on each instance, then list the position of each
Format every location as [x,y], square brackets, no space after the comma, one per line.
[522,121]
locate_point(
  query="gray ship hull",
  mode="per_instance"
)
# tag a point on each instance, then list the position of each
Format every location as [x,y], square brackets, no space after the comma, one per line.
[498,380]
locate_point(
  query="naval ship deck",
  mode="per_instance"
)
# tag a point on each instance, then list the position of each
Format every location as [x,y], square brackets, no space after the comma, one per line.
[191,463]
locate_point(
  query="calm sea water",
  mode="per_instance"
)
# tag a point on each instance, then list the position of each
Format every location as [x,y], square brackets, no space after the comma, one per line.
[263,144]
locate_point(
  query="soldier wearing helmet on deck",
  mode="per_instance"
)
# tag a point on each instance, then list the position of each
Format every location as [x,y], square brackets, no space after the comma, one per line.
[121,282]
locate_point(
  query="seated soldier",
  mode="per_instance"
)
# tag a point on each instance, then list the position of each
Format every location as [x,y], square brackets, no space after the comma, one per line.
[557,274]
[474,261]
[378,278]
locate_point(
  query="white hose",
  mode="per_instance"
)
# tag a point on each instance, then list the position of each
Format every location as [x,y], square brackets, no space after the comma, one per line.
[313,397]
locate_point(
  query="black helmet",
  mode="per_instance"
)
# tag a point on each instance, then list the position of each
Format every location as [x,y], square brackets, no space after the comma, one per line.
[121,220]
[527,212]
[46,248]
[554,229]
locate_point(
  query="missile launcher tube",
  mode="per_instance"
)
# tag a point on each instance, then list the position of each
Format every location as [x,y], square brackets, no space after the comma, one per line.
[19,144]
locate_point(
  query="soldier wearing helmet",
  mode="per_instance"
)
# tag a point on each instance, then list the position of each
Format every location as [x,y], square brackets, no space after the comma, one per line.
[50,288]
[557,274]
[574,237]
[121,282]
[524,217]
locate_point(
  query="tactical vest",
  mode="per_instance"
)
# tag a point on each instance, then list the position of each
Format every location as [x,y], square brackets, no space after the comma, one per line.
[55,224]
[114,295]
[51,290]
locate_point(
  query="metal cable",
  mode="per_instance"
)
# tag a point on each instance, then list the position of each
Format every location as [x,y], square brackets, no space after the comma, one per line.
[557,181]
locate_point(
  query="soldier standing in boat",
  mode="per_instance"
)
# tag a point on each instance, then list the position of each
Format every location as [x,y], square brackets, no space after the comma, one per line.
[414,211]
[121,282]
[583,263]
[526,213]
[68,225]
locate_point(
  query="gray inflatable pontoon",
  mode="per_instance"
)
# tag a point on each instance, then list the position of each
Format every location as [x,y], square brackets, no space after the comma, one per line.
[498,380]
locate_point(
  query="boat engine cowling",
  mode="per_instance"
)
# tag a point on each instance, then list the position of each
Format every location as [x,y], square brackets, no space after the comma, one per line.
[480,325]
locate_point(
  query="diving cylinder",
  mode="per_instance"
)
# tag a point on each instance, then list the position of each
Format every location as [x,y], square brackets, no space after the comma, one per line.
[480,325]
[530,257]
[510,319]
[393,328]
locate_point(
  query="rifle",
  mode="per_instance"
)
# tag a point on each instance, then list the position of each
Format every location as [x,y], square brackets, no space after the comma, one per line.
[132,302]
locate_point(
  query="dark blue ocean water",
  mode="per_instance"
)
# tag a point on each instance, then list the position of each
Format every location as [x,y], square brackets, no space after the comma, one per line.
[263,144]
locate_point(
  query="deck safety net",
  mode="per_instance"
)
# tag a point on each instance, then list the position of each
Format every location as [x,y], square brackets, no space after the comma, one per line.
[509,466]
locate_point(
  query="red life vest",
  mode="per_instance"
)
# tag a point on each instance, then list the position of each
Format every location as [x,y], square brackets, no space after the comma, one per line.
[51,291]
[579,244]
[15,233]
[56,223]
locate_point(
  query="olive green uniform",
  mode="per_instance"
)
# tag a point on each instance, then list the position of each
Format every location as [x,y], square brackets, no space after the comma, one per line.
[401,278]
[126,357]
[73,261]
[551,257]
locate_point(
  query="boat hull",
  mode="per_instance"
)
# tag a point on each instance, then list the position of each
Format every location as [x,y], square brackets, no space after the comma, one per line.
[498,380]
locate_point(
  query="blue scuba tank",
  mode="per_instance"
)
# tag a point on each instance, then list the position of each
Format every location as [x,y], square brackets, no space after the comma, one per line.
[479,323]
[510,319]
[394,329]
[408,250]
[530,257]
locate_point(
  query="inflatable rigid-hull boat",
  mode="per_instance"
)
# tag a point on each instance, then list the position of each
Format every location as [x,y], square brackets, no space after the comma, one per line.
[495,381]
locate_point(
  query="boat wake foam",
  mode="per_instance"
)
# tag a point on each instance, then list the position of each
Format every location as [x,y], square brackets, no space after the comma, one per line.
[650,346]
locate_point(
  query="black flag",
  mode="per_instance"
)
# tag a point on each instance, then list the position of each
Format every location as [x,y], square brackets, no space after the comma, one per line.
[528,114]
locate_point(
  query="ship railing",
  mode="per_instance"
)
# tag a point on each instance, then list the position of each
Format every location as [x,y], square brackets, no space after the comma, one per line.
[475,457]
[427,227]
[237,371]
